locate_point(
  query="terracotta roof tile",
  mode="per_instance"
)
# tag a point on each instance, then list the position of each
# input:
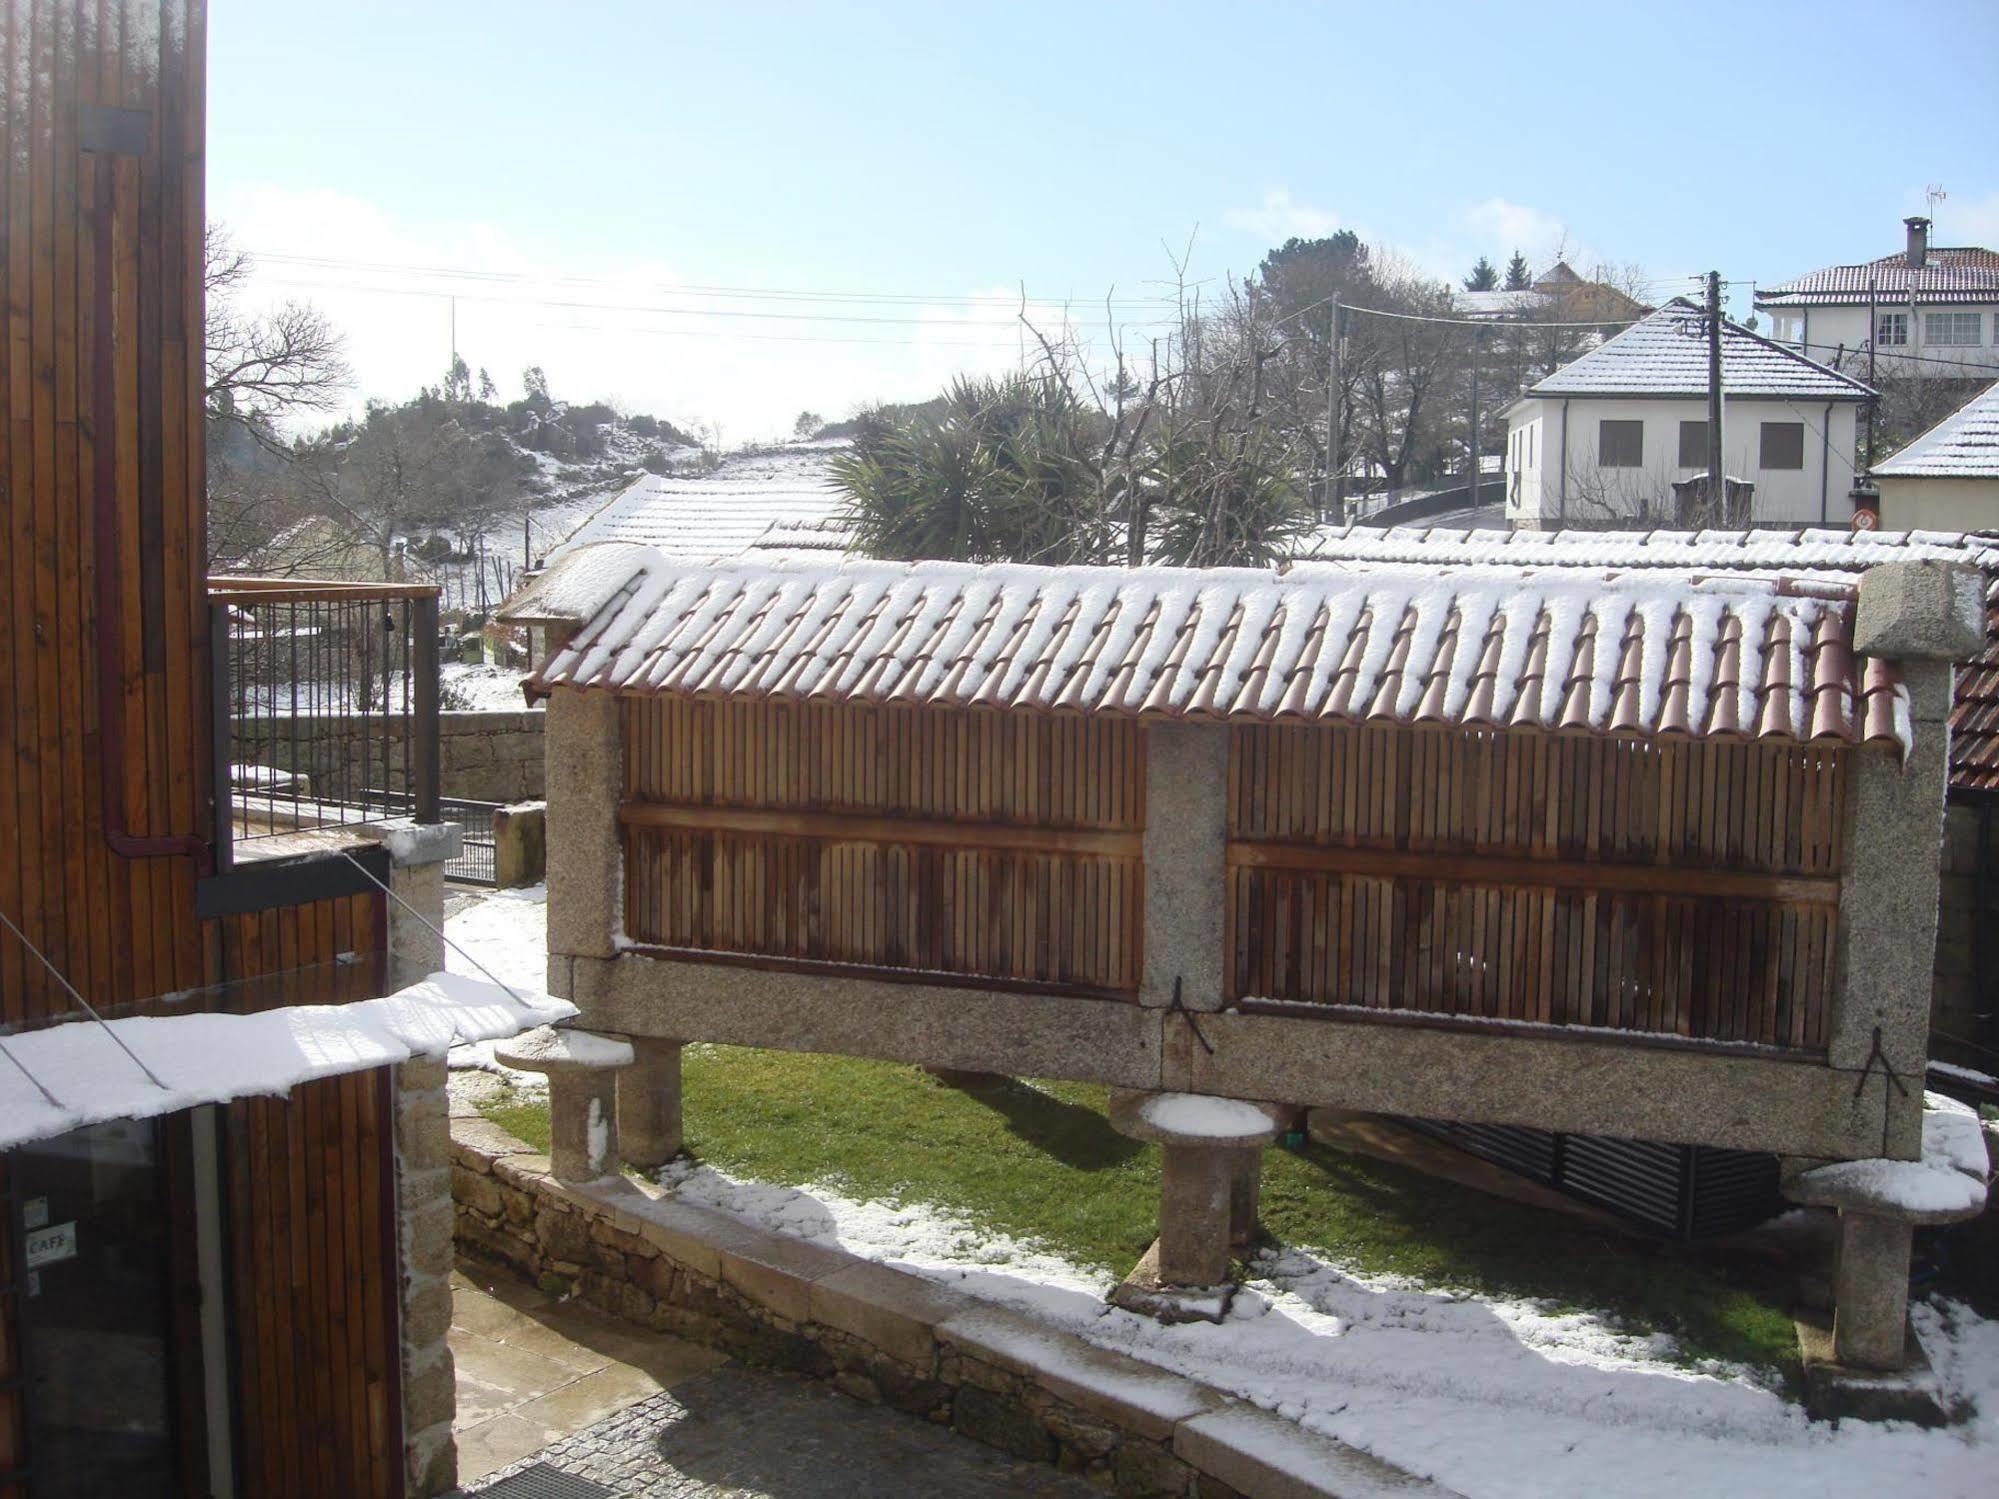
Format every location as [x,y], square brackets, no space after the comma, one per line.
[1565,649]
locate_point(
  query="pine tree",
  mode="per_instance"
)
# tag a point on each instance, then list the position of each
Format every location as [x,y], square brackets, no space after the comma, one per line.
[1483,276]
[1517,275]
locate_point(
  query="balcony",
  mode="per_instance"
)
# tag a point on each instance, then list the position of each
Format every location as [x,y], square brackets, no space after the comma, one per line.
[325,710]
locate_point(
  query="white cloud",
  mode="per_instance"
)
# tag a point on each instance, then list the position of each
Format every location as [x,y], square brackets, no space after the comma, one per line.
[1504,227]
[1280,218]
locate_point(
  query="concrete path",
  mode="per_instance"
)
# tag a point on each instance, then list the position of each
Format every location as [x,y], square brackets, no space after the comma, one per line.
[650,1416]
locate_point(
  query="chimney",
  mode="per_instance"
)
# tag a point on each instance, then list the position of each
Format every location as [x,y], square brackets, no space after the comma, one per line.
[1919,241]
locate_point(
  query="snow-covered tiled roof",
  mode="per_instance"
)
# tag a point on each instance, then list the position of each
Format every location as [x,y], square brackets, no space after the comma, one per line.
[1964,445]
[1501,647]
[1817,550]
[1965,274]
[1665,354]
[707,516]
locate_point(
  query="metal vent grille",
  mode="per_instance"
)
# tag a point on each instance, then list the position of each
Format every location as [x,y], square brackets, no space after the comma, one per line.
[1679,1191]
[540,1481]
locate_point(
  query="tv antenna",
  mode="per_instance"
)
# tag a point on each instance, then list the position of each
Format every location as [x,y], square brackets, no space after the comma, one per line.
[1933,195]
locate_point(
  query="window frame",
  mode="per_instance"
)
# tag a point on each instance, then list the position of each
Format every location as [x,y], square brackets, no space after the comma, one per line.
[1699,463]
[1898,338]
[1603,443]
[1763,457]
[1953,321]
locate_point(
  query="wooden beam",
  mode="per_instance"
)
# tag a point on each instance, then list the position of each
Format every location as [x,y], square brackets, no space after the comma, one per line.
[841,827]
[1551,874]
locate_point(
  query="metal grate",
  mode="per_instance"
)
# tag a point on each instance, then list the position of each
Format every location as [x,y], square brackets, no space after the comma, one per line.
[540,1481]
[474,820]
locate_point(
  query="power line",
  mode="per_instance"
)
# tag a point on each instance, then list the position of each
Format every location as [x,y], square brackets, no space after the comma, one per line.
[329,262]
[1890,355]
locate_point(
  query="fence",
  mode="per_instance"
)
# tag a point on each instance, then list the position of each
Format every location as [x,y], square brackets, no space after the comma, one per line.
[474,821]
[290,652]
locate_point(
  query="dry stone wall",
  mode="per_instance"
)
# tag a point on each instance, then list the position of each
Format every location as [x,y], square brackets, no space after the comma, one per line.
[483,757]
[883,1336]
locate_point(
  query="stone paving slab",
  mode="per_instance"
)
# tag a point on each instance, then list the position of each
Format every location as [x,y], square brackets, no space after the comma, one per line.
[741,1431]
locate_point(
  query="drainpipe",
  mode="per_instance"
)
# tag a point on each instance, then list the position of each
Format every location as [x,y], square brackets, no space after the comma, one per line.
[118,835]
[1825,464]
[1563,511]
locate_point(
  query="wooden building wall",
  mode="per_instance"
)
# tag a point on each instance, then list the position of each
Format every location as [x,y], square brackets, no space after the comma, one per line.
[1682,888]
[982,844]
[101,393]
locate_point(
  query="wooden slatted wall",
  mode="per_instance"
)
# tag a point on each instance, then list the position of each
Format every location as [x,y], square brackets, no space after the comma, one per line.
[979,844]
[313,1249]
[1680,888]
[123,929]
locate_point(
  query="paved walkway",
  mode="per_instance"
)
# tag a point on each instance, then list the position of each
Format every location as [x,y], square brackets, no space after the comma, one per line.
[650,1416]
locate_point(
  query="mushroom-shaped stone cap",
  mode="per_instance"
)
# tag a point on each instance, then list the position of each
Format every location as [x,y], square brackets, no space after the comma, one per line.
[549,1049]
[1194,1119]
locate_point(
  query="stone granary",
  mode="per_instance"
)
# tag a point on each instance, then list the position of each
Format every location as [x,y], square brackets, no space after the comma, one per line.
[1608,853]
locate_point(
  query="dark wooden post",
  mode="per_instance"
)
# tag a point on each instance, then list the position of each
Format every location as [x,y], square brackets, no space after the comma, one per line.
[423,668]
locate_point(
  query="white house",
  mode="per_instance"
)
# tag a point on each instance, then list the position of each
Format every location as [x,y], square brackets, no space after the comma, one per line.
[1603,440]
[1947,479]
[1933,307]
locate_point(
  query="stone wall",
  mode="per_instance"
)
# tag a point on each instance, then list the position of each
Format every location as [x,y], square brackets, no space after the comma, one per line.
[1955,1000]
[483,757]
[884,1336]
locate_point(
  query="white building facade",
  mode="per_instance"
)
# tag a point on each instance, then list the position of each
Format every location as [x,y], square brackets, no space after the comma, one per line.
[1947,479]
[1930,308]
[1604,440]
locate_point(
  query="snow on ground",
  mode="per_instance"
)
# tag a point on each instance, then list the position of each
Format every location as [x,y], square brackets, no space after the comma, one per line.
[1498,1399]
[466,688]
[501,935]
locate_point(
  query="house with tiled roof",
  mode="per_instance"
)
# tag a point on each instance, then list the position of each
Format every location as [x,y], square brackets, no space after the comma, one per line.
[1614,437]
[1931,306]
[1948,478]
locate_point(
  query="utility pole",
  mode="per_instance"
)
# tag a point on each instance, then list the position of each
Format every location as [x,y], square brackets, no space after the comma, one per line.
[1335,487]
[1475,474]
[1873,338]
[1717,471]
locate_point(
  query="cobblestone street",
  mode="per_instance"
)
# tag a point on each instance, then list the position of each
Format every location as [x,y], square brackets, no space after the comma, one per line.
[736,1430]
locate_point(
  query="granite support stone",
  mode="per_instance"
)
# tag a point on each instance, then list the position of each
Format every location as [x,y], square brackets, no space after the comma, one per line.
[649,1118]
[582,1071]
[424,1205]
[1185,851]
[1245,1195]
[585,853]
[1871,1291]
[1196,1187]
[418,853]
[1889,891]
[520,844]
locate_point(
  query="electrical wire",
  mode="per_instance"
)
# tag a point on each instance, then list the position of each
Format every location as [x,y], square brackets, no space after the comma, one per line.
[22,937]
[328,262]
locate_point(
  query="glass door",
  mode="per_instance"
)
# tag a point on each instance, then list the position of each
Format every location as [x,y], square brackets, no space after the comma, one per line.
[96,1315]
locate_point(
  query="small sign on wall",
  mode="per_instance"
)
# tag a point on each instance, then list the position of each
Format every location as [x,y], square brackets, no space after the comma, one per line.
[47,1246]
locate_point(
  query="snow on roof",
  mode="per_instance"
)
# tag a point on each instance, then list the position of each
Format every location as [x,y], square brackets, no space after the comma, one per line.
[211,1058]
[1962,274]
[1495,646]
[703,517]
[1811,550]
[1496,303]
[1964,445]
[1665,354]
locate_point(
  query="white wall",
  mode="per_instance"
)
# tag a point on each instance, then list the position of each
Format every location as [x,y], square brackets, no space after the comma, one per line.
[1815,493]
[1938,504]
[1827,329]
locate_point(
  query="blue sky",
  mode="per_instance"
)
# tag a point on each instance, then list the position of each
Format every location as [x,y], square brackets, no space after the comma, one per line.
[584,167]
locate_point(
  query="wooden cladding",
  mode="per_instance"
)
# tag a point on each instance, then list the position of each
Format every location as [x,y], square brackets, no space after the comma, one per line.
[1678,888]
[950,765]
[970,844]
[313,1259]
[101,502]
[1692,803]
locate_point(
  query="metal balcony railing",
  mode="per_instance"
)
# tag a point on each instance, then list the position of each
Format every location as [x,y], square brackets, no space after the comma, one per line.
[325,705]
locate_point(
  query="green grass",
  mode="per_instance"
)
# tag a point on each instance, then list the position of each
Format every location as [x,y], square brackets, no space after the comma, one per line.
[1043,1163]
